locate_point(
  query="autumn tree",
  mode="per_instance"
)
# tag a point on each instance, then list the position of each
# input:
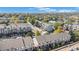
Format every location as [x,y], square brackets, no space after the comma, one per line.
[36,32]
[59,30]
[14,19]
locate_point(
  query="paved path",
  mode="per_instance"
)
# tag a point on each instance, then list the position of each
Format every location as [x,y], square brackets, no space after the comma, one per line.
[68,47]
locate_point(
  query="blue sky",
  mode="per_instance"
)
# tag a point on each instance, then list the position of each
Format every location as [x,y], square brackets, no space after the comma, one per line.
[37,9]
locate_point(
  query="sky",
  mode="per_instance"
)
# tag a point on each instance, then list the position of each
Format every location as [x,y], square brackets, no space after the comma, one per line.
[37,9]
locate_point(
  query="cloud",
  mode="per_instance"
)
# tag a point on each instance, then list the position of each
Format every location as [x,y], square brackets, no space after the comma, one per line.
[65,10]
[42,8]
[45,9]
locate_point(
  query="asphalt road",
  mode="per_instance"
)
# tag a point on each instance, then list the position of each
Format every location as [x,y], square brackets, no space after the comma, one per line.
[68,47]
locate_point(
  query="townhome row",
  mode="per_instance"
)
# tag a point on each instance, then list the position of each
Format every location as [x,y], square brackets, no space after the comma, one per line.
[43,42]
[14,29]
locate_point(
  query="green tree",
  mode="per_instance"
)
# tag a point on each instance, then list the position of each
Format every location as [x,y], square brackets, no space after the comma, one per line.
[72,35]
[57,24]
[25,19]
[46,19]
[75,35]
[31,19]
[30,34]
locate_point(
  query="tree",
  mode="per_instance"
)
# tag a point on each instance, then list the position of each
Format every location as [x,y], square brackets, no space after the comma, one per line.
[57,24]
[25,19]
[37,33]
[75,35]
[72,35]
[59,29]
[31,19]
[15,19]
[29,34]
[46,19]
[54,18]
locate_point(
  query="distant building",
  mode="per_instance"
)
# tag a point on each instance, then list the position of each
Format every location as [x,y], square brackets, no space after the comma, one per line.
[12,28]
[75,27]
[47,27]
[21,17]
[71,27]
[4,19]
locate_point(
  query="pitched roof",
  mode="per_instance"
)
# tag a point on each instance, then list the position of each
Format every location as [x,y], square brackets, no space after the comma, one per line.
[19,43]
[14,28]
[52,38]
[28,42]
[11,43]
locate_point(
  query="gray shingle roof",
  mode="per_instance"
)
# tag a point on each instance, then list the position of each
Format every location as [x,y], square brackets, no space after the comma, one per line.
[13,27]
[28,42]
[9,44]
[53,38]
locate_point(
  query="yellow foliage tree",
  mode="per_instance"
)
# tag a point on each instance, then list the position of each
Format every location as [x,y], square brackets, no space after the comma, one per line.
[15,19]
[37,33]
[59,29]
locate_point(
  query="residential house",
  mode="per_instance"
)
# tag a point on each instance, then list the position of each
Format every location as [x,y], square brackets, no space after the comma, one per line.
[16,44]
[53,39]
[14,29]
[47,27]
[75,27]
